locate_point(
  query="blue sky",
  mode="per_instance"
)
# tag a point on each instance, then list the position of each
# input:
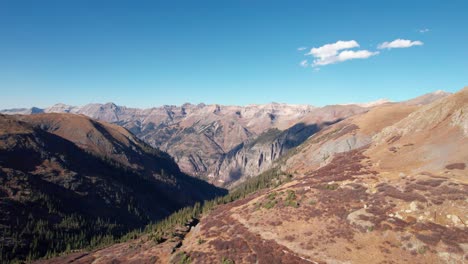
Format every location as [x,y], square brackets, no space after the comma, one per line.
[150,53]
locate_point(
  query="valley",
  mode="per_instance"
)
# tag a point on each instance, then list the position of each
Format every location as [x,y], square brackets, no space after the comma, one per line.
[233,132]
[387,180]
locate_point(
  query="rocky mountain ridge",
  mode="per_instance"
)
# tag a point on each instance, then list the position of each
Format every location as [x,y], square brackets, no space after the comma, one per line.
[199,137]
[218,143]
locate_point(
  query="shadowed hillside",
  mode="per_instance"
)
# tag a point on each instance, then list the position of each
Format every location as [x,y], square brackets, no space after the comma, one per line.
[68,182]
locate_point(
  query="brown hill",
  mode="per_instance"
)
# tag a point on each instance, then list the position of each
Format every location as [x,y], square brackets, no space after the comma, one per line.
[68,181]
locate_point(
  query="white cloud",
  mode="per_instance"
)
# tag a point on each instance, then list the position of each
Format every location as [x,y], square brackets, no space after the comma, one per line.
[359,54]
[301,48]
[344,56]
[338,52]
[424,30]
[332,49]
[304,63]
[399,43]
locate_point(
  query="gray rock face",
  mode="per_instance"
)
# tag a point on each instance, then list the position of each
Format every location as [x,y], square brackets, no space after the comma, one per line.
[256,156]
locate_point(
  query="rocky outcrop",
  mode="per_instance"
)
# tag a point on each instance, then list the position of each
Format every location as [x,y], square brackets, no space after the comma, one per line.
[256,156]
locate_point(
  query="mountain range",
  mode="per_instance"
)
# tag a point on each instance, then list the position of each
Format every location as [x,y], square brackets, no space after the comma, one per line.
[336,184]
[223,145]
[387,184]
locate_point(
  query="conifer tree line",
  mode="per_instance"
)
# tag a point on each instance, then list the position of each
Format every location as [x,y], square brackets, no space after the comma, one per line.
[162,230]
[74,232]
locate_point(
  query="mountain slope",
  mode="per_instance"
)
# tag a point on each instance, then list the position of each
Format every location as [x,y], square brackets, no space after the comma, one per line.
[68,181]
[427,139]
[393,187]
[354,196]
[427,98]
